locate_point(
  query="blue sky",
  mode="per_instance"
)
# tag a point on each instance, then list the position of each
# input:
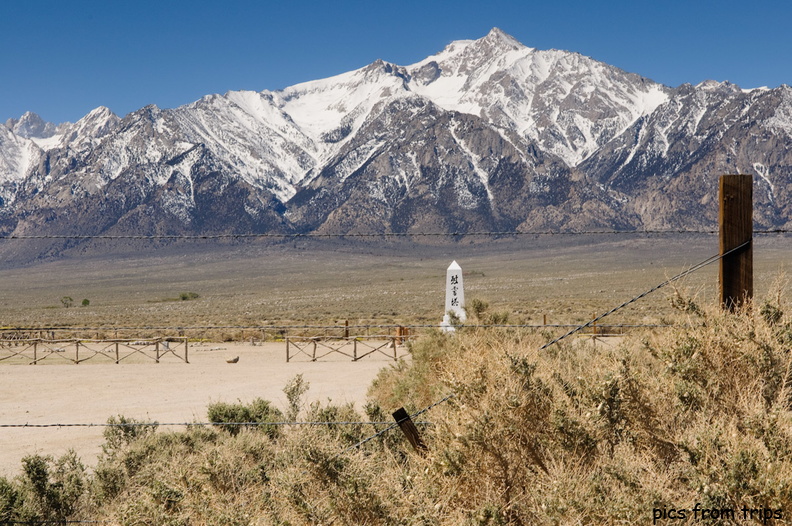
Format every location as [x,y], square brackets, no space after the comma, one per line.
[63,58]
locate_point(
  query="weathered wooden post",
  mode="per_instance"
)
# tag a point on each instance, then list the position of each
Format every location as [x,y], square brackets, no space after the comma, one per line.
[736,228]
[407,426]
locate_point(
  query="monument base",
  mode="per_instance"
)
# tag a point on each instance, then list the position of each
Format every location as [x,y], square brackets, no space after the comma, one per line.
[447,326]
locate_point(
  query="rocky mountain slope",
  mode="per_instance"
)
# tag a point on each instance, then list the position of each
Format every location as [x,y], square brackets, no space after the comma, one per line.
[486,134]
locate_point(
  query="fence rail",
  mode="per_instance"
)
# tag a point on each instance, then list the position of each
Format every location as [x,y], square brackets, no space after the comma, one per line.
[36,350]
[355,347]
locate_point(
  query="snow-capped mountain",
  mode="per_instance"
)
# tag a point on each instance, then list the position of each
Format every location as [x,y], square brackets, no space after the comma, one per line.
[487,133]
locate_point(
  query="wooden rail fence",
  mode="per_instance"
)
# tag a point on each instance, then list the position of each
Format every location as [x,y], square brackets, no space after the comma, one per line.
[76,351]
[355,347]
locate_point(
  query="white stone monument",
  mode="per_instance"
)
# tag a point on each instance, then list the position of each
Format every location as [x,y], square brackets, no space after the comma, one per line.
[455,297]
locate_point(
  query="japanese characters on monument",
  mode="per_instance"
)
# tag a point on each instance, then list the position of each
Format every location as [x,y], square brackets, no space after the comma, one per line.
[455,296]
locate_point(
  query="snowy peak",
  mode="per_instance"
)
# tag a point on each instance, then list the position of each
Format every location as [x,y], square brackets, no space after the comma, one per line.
[498,38]
[30,126]
[330,110]
[98,123]
[463,57]
[568,103]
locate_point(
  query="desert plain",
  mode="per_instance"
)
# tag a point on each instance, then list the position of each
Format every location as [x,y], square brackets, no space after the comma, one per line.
[244,299]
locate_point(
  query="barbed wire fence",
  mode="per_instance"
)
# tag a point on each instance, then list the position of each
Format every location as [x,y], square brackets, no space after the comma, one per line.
[574,328]
[270,235]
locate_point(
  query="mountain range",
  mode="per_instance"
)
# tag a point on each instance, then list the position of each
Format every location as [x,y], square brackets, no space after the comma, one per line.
[487,134]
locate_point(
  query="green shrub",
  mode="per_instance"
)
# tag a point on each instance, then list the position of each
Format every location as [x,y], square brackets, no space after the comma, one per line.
[186,296]
[45,494]
[121,431]
[294,390]
[258,412]
[9,502]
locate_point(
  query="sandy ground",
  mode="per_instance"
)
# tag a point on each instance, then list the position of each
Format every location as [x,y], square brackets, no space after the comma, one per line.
[165,392]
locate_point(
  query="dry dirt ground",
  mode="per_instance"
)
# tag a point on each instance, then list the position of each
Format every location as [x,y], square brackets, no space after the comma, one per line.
[170,391]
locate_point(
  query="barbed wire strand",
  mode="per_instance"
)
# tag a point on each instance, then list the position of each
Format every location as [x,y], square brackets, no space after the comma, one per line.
[157,424]
[14,237]
[64,521]
[679,276]
[325,327]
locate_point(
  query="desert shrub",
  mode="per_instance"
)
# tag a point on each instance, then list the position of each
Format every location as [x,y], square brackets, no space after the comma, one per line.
[47,489]
[772,314]
[9,502]
[476,308]
[121,431]
[187,296]
[294,390]
[414,384]
[258,412]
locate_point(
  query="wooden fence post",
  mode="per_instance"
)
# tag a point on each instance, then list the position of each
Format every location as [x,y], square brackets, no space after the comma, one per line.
[736,227]
[408,428]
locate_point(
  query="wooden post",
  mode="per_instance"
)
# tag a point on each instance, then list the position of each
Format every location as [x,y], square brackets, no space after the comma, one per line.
[354,349]
[346,328]
[156,350]
[736,227]
[186,345]
[116,350]
[408,428]
[287,349]
[76,352]
[544,319]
